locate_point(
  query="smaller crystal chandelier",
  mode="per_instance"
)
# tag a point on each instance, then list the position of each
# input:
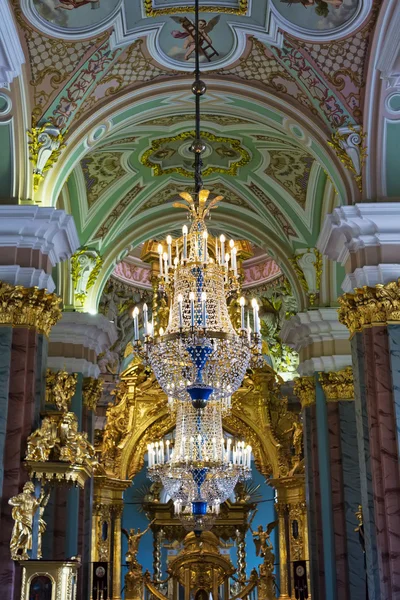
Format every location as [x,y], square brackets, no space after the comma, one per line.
[203,467]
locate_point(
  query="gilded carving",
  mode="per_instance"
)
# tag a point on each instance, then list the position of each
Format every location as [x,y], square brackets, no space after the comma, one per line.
[349,146]
[85,268]
[28,307]
[150,11]
[338,385]
[58,440]
[304,389]
[308,268]
[60,388]
[91,392]
[57,450]
[139,406]
[24,507]
[369,306]
[159,150]
[45,145]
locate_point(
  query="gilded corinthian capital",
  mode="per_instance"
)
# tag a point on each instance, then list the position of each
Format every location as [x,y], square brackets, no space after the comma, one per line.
[369,306]
[304,388]
[28,307]
[338,385]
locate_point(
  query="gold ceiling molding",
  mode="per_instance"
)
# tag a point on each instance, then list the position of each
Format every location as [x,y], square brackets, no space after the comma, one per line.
[232,169]
[338,385]
[28,307]
[304,389]
[91,392]
[369,306]
[150,11]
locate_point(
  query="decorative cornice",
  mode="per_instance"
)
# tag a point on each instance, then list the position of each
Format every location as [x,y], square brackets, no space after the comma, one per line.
[370,306]
[91,331]
[358,230]
[91,392]
[338,385]
[304,389]
[49,230]
[306,328]
[28,307]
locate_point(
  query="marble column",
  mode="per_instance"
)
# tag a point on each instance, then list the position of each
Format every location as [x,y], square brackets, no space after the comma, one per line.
[74,345]
[365,239]
[330,450]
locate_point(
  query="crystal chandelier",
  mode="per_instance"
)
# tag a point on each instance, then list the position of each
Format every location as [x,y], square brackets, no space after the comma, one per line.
[200,357]
[200,360]
[202,469]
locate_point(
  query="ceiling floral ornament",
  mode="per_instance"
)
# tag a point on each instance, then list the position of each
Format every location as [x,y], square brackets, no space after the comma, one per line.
[225,154]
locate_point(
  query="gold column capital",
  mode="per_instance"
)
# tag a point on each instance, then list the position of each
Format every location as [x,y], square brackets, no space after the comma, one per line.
[304,389]
[338,385]
[91,392]
[369,306]
[32,308]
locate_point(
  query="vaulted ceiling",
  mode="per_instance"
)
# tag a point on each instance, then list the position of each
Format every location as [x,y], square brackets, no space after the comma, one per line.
[114,79]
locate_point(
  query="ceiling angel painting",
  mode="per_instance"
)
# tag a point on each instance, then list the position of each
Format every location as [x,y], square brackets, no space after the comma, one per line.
[76,14]
[318,14]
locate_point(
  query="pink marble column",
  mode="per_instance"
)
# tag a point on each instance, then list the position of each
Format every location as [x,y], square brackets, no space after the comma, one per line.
[20,417]
[384,459]
[338,508]
[317,555]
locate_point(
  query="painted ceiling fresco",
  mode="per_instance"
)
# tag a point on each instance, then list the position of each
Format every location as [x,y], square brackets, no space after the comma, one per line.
[114,77]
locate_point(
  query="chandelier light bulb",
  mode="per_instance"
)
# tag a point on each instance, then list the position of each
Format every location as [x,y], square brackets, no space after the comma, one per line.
[161,331]
[160,249]
[169,240]
[231,243]
[203,296]
[184,230]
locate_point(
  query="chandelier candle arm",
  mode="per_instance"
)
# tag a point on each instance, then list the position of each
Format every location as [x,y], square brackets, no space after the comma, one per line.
[222,240]
[169,246]
[160,255]
[184,232]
